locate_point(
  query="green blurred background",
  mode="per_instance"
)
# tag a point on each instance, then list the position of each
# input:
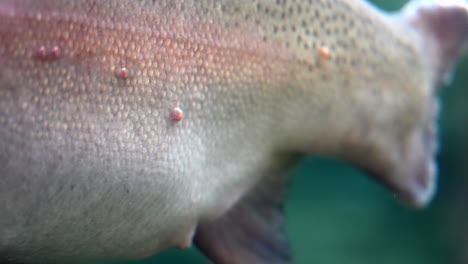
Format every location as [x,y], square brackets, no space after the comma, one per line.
[336,215]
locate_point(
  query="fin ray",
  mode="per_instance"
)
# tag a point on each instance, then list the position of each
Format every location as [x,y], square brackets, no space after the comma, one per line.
[252,231]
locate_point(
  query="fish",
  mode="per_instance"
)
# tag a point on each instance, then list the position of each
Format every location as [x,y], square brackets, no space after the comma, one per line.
[128,127]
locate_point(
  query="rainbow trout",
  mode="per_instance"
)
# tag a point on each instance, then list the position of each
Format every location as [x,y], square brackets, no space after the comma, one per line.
[130,126]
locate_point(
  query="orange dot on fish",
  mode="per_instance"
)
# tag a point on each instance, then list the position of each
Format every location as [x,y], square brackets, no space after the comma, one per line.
[323,54]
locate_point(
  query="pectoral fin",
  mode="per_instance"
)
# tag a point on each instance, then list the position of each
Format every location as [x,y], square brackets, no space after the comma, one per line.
[252,230]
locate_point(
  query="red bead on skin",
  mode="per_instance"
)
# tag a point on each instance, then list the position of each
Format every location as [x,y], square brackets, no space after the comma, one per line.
[177,114]
[54,53]
[122,73]
[40,53]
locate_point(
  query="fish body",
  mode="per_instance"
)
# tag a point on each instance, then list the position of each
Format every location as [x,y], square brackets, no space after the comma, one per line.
[127,127]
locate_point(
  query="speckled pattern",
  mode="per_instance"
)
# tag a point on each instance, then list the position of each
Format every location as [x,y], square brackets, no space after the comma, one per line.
[95,163]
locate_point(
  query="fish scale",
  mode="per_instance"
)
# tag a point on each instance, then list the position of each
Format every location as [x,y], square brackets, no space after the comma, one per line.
[127,127]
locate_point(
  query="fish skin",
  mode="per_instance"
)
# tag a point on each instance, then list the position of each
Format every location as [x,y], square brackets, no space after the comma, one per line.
[93,167]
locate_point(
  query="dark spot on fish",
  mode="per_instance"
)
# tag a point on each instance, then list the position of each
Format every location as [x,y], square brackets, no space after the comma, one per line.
[299,9]
[273,14]
[317,14]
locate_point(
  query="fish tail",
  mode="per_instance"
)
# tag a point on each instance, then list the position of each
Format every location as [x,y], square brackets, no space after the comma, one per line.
[443,26]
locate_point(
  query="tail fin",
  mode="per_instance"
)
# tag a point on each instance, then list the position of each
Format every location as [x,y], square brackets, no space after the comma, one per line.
[445,24]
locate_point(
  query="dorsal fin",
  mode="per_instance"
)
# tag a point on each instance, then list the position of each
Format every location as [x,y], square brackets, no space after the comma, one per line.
[444,23]
[252,230]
